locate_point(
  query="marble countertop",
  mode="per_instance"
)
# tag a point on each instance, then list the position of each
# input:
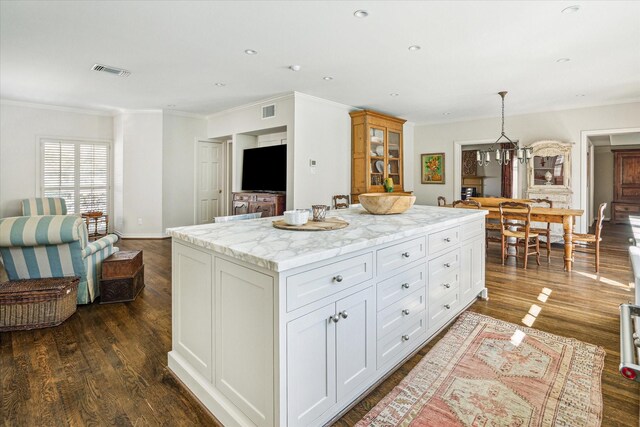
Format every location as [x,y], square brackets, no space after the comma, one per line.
[257,242]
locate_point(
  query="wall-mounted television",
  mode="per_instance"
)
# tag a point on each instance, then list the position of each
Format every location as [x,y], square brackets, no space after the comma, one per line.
[265,168]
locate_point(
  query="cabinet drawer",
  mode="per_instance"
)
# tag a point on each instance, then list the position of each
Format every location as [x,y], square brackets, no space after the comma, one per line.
[399,344]
[244,197]
[445,285]
[399,286]
[270,199]
[401,312]
[444,265]
[396,256]
[442,240]
[442,309]
[471,229]
[626,208]
[313,285]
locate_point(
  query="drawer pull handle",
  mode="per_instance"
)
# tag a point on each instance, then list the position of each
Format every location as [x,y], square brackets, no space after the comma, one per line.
[405,311]
[405,338]
[447,239]
[337,278]
[406,254]
[446,264]
[334,319]
[406,286]
[447,306]
[446,285]
[344,314]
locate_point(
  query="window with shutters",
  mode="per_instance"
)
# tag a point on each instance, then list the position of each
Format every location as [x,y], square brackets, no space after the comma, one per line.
[77,171]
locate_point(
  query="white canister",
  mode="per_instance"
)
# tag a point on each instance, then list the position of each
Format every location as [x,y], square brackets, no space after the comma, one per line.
[296,217]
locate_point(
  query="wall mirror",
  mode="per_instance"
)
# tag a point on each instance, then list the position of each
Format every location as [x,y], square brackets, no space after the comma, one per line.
[550,166]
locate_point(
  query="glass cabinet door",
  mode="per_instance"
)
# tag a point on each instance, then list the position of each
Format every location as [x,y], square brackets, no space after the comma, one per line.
[394,157]
[377,155]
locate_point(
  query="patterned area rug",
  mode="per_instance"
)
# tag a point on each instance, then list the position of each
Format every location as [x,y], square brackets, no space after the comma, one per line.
[486,372]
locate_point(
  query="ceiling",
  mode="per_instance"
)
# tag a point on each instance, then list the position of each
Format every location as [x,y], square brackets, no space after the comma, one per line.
[176,51]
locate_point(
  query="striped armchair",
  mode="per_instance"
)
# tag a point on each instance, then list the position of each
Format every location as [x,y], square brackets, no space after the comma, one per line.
[44,206]
[54,246]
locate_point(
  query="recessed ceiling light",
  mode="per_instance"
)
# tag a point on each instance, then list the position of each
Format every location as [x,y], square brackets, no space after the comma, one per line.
[580,95]
[250,52]
[563,60]
[327,78]
[414,47]
[295,67]
[220,84]
[360,13]
[393,94]
[446,113]
[571,9]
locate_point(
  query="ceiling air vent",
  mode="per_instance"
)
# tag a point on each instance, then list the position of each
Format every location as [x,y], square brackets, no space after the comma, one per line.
[111,70]
[269,111]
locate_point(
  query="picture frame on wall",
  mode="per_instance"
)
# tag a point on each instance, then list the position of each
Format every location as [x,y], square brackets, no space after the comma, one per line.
[432,168]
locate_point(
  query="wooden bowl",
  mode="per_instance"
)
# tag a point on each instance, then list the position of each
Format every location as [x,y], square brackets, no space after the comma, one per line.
[386,203]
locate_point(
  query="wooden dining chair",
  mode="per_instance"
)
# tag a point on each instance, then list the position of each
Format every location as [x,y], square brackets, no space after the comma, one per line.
[518,213]
[591,239]
[341,201]
[542,231]
[470,204]
[442,201]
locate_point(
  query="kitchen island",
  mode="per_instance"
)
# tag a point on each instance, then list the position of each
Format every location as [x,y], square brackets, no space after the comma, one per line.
[288,328]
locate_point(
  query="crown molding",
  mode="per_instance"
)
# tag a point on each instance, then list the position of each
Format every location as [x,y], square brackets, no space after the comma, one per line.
[92,112]
[126,111]
[252,104]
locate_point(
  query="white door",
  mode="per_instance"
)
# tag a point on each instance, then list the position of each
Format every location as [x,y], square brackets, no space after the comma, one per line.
[210,179]
[355,341]
[311,365]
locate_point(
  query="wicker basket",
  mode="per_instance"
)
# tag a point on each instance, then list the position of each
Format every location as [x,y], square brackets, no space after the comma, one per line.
[37,303]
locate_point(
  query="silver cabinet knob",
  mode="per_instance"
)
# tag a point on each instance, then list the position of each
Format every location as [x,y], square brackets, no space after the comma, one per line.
[406,254]
[337,278]
[406,286]
[447,265]
[405,311]
[447,239]
[447,306]
[334,319]
[405,338]
[446,285]
[344,314]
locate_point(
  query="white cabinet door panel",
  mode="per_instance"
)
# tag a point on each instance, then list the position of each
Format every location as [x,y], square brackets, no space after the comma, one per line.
[355,340]
[311,366]
[244,339]
[191,289]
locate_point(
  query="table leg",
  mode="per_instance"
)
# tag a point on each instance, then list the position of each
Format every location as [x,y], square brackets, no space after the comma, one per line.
[567,225]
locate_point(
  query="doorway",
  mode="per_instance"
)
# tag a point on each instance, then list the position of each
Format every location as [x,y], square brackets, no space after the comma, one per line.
[211,185]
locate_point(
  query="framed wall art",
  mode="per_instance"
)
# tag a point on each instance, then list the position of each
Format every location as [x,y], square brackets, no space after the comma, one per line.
[432,168]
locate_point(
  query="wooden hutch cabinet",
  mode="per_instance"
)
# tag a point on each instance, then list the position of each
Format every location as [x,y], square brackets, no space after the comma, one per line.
[626,185]
[270,204]
[376,147]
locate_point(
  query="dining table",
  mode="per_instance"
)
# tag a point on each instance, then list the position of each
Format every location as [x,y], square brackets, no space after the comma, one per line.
[564,216]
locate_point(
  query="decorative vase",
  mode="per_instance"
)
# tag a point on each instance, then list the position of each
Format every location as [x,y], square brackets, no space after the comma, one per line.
[548,176]
[388,185]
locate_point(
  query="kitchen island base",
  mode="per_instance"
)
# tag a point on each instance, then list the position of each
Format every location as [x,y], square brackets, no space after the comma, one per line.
[272,346]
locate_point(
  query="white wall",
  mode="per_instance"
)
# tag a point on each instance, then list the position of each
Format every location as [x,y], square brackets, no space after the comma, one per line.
[603,186]
[248,119]
[565,125]
[139,147]
[323,134]
[21,125]
[179,135]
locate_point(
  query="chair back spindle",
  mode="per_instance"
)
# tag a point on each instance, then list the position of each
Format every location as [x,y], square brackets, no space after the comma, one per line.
[469,204]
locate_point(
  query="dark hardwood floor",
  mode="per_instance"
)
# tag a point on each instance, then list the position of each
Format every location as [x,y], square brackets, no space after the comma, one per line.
[106,365]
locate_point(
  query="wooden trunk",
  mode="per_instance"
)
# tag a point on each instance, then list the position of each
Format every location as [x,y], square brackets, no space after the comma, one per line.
[122,277]
[626,186]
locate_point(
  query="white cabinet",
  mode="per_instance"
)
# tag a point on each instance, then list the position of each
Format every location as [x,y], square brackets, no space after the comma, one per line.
[331,351]
[472,255]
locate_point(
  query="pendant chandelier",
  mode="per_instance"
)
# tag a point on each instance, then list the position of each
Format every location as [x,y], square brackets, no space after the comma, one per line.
[503,155]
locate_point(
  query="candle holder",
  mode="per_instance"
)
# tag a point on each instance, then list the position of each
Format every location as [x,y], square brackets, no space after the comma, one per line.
[319,212]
